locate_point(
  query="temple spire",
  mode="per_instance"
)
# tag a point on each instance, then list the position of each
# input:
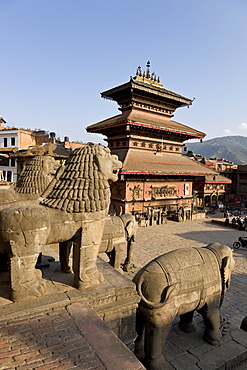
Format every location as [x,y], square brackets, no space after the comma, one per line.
[147,76]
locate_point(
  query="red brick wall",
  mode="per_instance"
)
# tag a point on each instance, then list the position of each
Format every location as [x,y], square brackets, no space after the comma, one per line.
[138,195]
[26,139]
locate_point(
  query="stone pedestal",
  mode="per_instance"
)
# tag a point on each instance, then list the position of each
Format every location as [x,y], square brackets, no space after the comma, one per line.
[115,300]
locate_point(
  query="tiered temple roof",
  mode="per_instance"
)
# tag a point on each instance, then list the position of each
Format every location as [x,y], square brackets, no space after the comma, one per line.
[146,111]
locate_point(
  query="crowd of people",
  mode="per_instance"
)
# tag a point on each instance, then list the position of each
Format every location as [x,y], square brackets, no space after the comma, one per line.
[237,222]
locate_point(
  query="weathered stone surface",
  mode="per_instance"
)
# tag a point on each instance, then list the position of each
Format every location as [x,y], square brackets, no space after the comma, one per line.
[119,357]
[115,300]
[74,207]
[62,337]
[58,298]
[178,283]
[117,241]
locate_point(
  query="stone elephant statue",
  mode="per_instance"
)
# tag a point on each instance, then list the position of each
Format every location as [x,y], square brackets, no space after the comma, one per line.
[178,283]
[118,236]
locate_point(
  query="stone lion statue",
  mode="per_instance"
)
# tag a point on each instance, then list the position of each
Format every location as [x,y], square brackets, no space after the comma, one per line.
[73,207]
[34,179]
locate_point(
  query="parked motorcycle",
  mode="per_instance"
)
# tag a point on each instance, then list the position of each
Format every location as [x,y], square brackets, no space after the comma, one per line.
[242,242]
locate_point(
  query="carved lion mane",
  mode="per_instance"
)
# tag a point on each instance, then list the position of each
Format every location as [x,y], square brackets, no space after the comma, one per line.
[34,178]
[81,187]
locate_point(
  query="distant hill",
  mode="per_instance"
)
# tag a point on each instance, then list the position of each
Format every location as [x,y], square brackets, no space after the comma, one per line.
[231,148]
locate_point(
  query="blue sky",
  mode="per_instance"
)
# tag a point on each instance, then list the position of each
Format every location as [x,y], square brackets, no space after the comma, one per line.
[58,55]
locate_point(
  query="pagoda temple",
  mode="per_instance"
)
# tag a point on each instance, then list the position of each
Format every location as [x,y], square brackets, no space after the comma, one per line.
[156,179]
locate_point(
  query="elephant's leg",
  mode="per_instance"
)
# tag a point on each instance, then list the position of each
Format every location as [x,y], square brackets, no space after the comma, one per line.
[25,280]
[111,256]
[211,317]
[64,253]
[85,252]
[186,323]
[116,256]
[127,266]
[140,330]
[155,339]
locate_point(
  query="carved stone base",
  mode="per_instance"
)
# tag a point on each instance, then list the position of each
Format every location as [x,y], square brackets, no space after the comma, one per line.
[115,300]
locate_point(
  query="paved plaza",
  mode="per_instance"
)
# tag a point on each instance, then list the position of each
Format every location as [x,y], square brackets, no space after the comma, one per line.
[153,241]
[65,335]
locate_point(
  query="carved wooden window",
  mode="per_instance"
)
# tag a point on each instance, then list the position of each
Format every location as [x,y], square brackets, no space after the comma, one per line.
[135,143]
[186,189]
[150,145]
[143,145]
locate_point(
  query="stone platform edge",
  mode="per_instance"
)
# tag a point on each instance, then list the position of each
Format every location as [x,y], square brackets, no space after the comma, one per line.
[111,351]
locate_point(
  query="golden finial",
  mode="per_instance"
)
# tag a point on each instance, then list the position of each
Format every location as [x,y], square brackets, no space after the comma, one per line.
[145,76]
[148,70]
[139,71]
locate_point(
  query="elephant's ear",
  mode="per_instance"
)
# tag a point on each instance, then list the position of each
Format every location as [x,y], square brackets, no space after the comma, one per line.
[129,228]
[170,291]
[224,272]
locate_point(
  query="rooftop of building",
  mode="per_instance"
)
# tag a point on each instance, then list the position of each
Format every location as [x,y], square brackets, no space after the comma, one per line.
[145,102]
[148,120]
[142,162]
[148,83]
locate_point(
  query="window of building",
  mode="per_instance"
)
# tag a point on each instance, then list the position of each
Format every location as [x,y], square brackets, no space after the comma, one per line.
[4,175]
[4,162]
[171,148]
[150,145]
[135,143]
[5,142]
[9,176]
[186,189]
[13,141]
[12,162]
[143,144]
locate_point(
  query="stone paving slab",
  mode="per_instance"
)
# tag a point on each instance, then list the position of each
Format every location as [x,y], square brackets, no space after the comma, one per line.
[197,354]
[64,316]
[35,342]
[159,239]
[62,337]
[190,351]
